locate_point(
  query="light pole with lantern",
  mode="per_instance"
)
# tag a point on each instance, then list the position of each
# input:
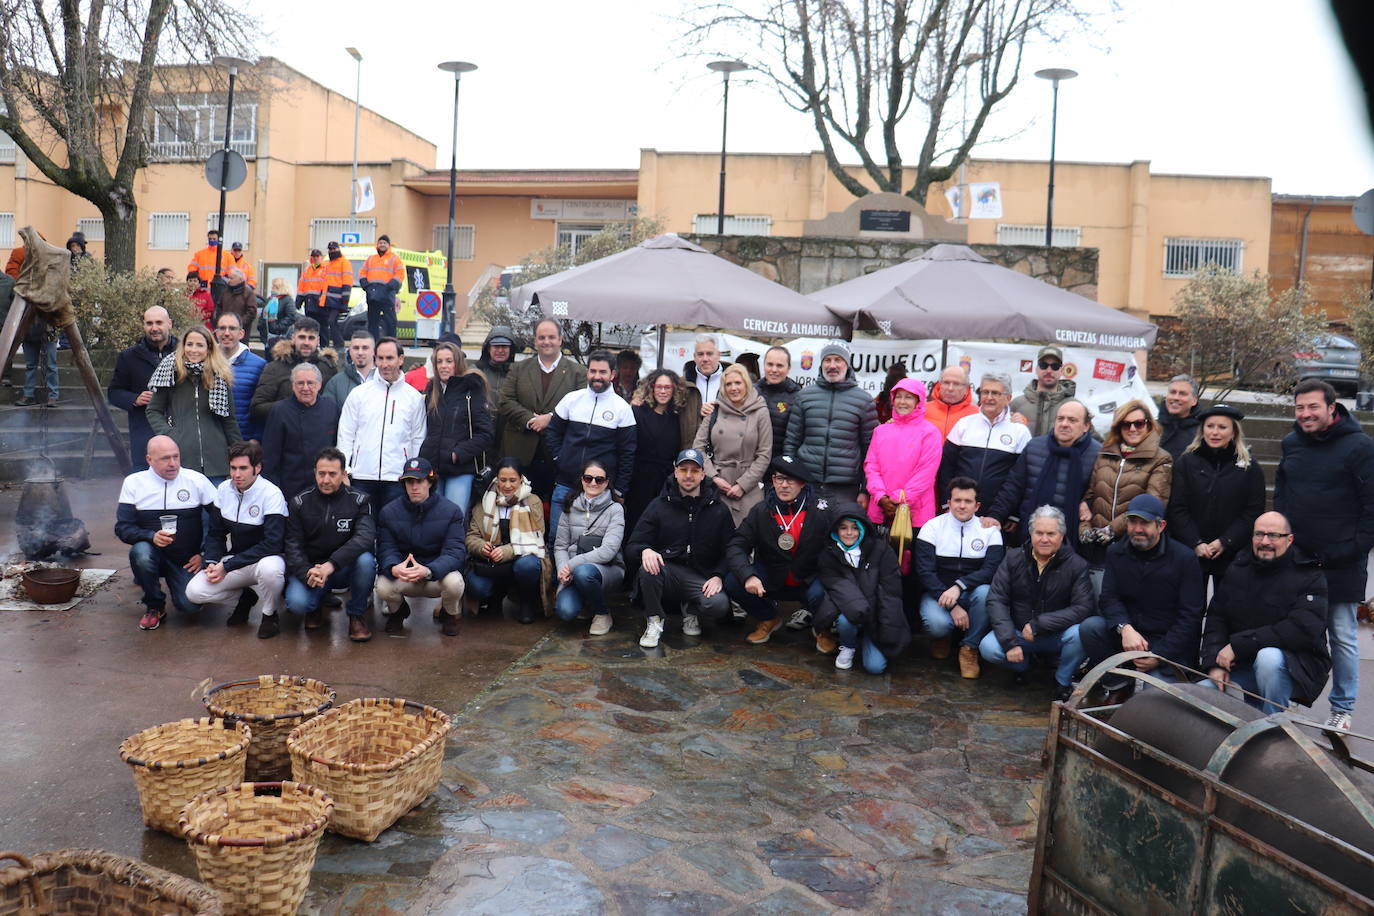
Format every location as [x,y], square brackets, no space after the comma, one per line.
[724,68]
[457,68]
[1054,75]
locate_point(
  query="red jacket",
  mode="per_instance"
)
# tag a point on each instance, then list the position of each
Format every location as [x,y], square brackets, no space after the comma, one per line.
[945,416]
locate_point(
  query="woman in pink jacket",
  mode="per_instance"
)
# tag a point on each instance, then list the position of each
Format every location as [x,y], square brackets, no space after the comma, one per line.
[904,456]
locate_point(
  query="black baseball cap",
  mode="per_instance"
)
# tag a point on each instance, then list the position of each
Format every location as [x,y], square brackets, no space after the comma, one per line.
[692,455]
[417,469]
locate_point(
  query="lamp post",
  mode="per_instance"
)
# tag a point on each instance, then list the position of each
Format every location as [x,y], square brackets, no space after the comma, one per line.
[724,68]
[232,64]
[357,116]
[1054,75]
[457,68]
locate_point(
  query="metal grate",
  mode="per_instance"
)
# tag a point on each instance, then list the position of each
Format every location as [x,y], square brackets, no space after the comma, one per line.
[169,231]
[1064,236]
[330,229]
[1183,257]
[6,230]
[7,149]
[93,227]
[464,241]
[705,224]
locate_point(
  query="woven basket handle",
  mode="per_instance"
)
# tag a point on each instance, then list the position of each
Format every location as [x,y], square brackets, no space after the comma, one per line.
[34,887]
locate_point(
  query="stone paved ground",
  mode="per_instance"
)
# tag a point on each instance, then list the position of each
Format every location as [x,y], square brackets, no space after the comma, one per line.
[715,777]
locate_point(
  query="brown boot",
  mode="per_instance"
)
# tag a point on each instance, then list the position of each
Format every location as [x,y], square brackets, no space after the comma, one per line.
[764,630]
[968,662]
[939,648]
[448,623]
[826,643]
[358,630]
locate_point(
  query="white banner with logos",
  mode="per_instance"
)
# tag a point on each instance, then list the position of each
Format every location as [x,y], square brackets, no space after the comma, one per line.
[1105,379]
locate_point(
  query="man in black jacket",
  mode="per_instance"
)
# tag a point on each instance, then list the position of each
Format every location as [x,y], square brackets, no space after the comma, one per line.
[297,429]
[128,389]
[831,425]
[420,550]
[680,541]
[275,382]
[329,538]
[1179,420]
[1266,624]
[1325,486]
[1053,470]
[1152,595]
[772,555]
[1039,596]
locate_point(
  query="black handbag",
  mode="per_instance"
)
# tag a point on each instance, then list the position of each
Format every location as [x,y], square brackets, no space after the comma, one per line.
[589,542]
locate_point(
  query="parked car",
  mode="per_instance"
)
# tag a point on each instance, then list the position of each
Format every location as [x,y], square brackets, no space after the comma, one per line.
[1332,358]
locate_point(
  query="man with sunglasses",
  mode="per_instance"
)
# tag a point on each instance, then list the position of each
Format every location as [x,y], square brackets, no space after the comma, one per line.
[1037,404]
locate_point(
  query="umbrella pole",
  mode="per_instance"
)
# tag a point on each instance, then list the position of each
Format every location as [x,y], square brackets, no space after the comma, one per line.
[662,342]
[944,355]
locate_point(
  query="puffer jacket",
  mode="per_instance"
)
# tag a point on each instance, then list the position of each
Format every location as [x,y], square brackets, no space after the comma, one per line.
[832,424]
[432,531]
[1039,407]
[247,367]
[943,416]
[1116,481]
[462,429]
[738,442]
[1017,496]
[1325,485]
[183,412]
[779,399]
[275,382]
[602,516]
[869,596]
[693,531]
[904,456]
[1050,601]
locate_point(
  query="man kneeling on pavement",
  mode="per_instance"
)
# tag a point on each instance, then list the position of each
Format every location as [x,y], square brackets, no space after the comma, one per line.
[420,550]
[329,540]
[249,516]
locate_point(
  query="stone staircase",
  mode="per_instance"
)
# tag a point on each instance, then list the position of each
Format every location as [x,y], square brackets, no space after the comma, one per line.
[62,433]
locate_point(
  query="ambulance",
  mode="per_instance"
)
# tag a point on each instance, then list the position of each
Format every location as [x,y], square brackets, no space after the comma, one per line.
[426,273]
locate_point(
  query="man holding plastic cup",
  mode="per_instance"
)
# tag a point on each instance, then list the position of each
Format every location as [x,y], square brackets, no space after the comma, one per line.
[160,516]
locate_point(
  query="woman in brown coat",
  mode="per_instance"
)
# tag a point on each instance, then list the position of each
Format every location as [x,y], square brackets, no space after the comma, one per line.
[738,441]
[1131,462]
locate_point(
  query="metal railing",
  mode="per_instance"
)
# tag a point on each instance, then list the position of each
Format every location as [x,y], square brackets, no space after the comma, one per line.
[183,150]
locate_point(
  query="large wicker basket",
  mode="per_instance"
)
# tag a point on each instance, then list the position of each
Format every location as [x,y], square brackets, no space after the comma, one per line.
[174,763]
[377,758]
[79,882]
[255,843]
[272,706]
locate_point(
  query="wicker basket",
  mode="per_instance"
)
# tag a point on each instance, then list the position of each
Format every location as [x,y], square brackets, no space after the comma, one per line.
[77,882]
[255,843]
[271,706]
[174,763]
[377,758]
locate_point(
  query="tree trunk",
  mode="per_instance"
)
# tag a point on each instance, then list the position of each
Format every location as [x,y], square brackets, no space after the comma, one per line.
[121,231]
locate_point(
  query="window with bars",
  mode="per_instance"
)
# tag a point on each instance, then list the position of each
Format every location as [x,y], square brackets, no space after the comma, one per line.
[190,125]
[1064,236]
[572,235]
[329,229]
[1183,257]
[705,224]
[464,241]
[6,230]
[92,227]
[169,231]
[235,226]
[7,149]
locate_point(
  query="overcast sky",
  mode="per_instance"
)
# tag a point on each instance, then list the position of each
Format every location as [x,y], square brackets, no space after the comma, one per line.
[1230,87]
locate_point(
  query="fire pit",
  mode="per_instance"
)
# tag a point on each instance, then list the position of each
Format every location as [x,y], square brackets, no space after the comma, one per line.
[44,524]
[55,585]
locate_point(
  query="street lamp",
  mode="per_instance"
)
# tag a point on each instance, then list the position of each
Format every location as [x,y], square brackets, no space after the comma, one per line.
[724,68]
[357,115]
[232,64]
[1054,75]
[457,68]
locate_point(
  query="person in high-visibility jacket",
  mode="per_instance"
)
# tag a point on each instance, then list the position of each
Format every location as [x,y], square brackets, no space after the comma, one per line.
[381,278]
[202,266]
[236,260]
[338,286]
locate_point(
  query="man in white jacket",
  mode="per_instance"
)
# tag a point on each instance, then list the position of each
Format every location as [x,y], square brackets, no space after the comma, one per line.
[381,427]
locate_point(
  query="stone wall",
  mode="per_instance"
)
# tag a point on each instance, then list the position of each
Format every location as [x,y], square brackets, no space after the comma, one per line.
[809,264]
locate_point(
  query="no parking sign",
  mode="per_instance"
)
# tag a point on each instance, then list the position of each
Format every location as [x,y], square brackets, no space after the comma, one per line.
[428,303]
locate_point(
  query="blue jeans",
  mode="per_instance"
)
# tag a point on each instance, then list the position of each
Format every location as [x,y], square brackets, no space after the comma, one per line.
[939,623]
[811,594]
[302,599]
[560,493]
[1343,638]
[149,567]
[1268,677]
[588,588]
[457,490]
[32,351]
[874,661]
[525,571]
[1066,645]
[380,492]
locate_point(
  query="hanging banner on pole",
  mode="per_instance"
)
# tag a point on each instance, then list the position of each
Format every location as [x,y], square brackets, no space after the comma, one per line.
[955,196]
[985,200]
[363,198]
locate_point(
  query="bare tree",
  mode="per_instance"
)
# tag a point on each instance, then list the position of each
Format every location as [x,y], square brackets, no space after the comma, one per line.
[76,79]
[860,67]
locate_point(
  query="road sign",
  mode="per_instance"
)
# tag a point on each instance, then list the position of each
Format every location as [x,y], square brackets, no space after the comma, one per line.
[1363,212]
[350,238]
[214,167]
[428,303]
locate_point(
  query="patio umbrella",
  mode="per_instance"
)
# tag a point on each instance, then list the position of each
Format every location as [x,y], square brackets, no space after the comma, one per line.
[952,292]
[667,280]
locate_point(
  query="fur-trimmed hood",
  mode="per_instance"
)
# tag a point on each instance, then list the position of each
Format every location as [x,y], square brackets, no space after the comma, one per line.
[283,351]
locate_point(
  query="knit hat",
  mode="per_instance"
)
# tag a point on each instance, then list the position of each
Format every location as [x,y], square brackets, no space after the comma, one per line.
[835,348]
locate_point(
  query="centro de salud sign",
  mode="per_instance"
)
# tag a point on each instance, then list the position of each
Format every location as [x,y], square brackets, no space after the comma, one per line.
[583,209]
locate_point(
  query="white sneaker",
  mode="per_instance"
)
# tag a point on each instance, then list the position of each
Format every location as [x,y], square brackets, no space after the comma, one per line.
[1339,720]
[690,625]
[652,631]
[845,660]
[601,625]
[800,619]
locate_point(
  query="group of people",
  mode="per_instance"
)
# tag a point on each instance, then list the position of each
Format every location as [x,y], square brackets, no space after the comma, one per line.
[540,480]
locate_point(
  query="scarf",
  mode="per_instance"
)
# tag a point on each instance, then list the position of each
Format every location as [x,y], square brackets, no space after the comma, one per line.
[1067,460]
[164,376]
[526,538]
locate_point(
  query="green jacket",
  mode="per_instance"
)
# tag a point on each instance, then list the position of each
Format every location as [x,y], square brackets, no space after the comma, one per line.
[183,412]
[523,396]
[1039,407]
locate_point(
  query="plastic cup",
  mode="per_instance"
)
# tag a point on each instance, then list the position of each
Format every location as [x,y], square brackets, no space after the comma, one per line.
[168,523]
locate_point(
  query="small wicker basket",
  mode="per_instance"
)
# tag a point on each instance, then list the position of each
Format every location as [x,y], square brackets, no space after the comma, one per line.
[175,762]
[77,882]
[377,758]
[272,706]
[255,843]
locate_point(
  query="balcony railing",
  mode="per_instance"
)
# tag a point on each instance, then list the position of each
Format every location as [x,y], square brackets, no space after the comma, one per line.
[197,150]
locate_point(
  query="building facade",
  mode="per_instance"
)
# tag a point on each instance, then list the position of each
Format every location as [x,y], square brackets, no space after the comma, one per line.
[1314,240]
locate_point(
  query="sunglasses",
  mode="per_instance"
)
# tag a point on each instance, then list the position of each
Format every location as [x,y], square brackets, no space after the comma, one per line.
[1135,424]
[593,478]
[1050,364]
